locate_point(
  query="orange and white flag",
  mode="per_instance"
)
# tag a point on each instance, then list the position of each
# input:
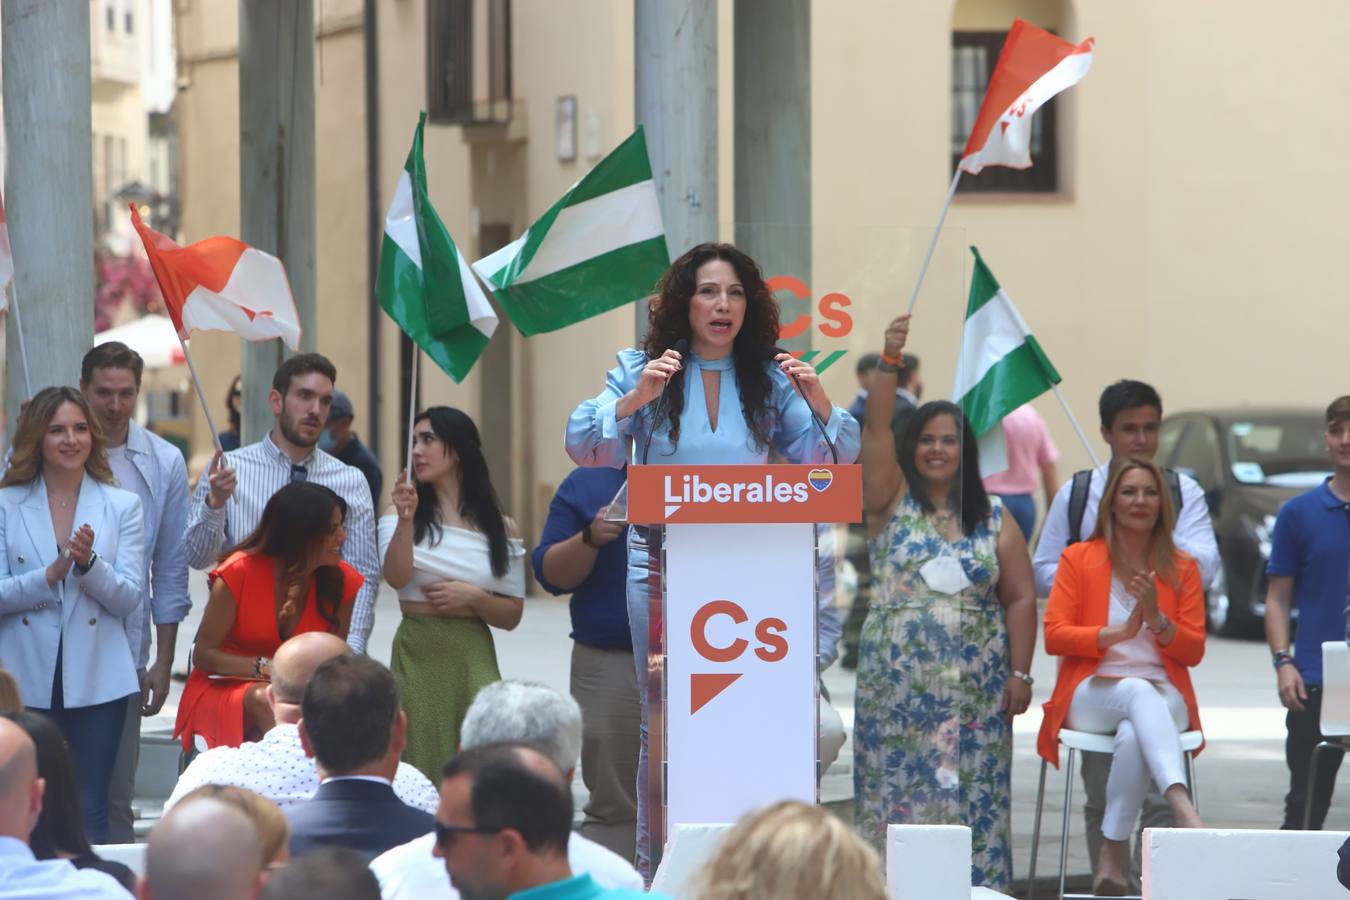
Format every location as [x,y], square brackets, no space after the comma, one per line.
[1033,67]
[222,284]
[6,258]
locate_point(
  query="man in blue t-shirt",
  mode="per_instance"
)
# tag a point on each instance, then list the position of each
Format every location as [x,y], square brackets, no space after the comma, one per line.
[582,554]
[1310,568]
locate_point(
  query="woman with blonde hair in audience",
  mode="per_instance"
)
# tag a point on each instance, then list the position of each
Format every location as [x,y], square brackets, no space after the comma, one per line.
[274,832]
[791,851]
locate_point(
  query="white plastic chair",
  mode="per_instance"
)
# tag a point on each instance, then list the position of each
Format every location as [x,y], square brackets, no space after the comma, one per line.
[1334,722]
[1074,742]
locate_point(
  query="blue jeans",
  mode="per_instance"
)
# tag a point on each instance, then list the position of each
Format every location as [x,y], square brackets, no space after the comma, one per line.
[638,623]
[1023,510]
[92,733]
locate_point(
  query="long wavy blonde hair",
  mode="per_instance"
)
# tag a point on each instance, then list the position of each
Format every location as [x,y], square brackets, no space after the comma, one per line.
[1162,552]
[791,851]
[25,462]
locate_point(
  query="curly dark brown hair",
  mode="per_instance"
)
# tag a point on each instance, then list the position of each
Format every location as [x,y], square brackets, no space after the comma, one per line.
[668,322]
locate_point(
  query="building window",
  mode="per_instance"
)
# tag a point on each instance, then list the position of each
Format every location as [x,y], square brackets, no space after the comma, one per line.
[110,15]
[459,90]
[128,22]
[974,54]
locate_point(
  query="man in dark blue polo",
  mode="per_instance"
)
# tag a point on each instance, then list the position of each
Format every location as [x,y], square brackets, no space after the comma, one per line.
[1309,567]
[581,553]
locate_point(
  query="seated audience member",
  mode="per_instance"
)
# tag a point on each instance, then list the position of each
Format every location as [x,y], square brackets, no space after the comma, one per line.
[509,712]
[276,766]
[22,874]
[10,701]
[286,578]
[504,826]
[59,832]
[351,723]
[791,851]
[1127,614]
[274,832]
[206,850]
[329,873]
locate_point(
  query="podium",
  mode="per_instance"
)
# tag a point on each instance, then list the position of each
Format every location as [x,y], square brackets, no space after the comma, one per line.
[732,687]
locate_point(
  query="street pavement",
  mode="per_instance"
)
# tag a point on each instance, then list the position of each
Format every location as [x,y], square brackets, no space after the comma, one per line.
[1241,776]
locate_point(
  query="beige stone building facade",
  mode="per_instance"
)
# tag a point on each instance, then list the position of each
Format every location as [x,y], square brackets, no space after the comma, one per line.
[1182,227]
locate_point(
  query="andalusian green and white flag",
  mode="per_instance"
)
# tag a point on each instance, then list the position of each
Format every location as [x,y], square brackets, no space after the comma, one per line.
[1001,364]
[424,284]
[601,246]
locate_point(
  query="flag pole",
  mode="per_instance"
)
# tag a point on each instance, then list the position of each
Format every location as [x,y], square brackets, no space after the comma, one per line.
[1078,429]
[201,395]
[932,243]
[18,329]
[412,407]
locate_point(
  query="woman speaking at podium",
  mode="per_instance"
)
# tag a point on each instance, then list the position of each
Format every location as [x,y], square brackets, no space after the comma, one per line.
[709,386]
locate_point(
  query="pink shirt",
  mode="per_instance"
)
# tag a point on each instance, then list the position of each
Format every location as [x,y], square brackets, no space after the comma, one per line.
[1029,448]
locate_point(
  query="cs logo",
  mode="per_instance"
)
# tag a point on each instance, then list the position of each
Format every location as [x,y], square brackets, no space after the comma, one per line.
[833,310]
[769,633]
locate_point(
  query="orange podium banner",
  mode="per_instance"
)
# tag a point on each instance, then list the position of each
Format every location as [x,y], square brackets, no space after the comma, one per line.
[727,495]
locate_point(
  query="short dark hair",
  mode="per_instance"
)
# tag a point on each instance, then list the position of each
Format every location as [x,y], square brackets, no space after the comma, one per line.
[1338,410]
[111,355]
[325,873]
[348,710]
[867,362]
[1126,394]
[302,364]
[508,792]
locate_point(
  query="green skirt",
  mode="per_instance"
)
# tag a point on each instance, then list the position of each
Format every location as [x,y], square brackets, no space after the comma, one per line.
[440,664]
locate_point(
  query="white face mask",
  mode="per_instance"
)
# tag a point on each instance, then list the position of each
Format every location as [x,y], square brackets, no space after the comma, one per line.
[944,575]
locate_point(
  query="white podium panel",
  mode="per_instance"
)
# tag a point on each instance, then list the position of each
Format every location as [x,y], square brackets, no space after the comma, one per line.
[740,672]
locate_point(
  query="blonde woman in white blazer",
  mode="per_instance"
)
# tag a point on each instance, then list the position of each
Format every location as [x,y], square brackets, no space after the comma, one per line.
[70,574]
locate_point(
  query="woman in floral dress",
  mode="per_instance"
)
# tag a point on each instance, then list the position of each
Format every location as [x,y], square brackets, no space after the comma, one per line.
[947,646]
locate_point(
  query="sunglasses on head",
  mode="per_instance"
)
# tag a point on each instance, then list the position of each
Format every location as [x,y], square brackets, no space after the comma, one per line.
[446,834]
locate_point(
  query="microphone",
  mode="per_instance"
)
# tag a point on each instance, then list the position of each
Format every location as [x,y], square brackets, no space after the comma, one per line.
[820,425]
[681,347]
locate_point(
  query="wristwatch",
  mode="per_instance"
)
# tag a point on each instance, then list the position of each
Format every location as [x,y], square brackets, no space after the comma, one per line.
[259,665]
[1024,676]
[1163,623]
[84,570]
[586,535]
[1282,658]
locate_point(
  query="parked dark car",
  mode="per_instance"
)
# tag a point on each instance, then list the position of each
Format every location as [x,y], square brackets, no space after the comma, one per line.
[1249,461]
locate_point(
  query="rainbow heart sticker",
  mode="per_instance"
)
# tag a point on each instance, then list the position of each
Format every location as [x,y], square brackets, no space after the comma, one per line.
[820,479]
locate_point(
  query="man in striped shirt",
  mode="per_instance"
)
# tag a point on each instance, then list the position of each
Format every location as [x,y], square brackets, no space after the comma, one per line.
[231,495]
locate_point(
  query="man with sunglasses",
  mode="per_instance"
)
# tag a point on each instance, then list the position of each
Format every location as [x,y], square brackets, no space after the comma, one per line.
[503,827]
[1309,568]
[276,766]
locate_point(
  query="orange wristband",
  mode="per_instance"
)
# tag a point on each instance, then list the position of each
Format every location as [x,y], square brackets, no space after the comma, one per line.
[897,361]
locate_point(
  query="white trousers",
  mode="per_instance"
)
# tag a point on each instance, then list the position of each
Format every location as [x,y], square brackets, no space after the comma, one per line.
[1147,719]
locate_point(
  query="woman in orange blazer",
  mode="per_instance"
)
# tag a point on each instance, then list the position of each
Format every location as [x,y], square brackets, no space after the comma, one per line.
[1127,615]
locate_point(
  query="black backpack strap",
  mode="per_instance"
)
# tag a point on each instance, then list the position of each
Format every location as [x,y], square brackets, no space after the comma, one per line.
[1174,488]
[1078,498]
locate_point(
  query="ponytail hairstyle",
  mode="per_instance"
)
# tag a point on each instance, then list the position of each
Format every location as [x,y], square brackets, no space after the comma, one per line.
[478,502]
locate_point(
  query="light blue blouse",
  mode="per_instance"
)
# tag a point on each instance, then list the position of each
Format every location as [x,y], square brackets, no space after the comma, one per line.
[596,437]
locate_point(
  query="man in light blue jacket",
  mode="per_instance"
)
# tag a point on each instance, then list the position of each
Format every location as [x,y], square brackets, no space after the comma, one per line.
[154,470]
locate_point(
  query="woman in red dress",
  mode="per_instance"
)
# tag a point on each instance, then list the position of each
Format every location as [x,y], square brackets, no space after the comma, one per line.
[285,579]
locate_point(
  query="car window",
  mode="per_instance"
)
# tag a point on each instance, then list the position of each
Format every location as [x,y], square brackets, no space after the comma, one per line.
[1284,451]
[1168,437]
[1198,453]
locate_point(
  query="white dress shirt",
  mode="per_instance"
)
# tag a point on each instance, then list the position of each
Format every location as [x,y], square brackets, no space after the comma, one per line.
[261,470]
[410,872]
[1193,531]
[23,876]
[278,768]
[153,469]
